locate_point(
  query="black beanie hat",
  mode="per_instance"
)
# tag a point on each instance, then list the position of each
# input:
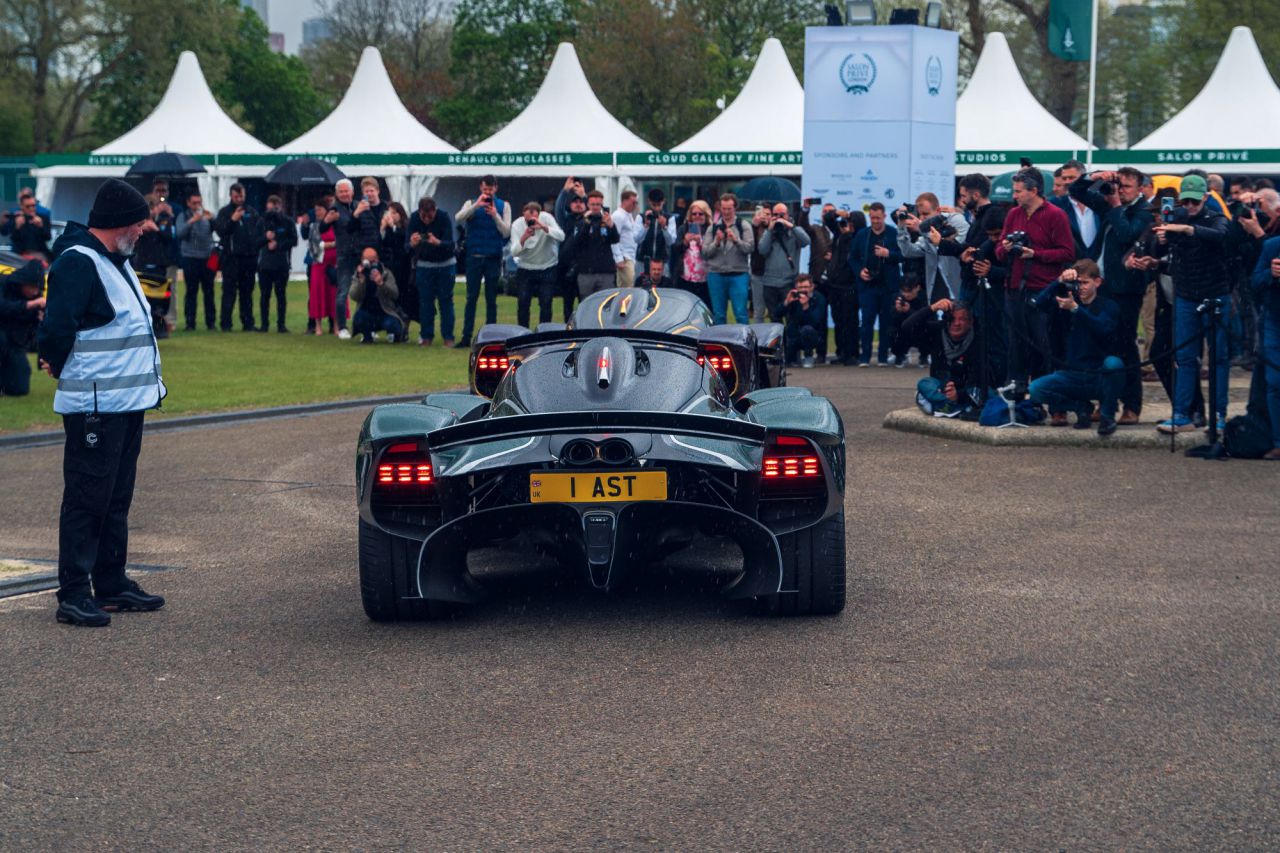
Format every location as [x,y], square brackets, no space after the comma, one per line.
[32,272]
[117,205]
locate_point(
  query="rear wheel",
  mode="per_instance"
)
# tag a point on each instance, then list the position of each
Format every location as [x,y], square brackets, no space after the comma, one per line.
[387,564]
[812,565]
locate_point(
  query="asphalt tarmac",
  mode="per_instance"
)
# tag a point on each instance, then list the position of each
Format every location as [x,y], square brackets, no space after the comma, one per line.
[1044,648]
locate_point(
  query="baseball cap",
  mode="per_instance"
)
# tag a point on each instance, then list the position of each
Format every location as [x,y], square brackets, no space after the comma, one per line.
[1193,188]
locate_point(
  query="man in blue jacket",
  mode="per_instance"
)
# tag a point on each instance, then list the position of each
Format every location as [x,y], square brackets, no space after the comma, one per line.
[1266,289]
[1093,371]
[488,222]
[876,258]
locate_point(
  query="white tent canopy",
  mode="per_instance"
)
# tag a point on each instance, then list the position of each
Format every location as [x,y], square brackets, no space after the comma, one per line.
[997,112]
[187,119]
[371,119]
[565,115]
[1238,108]
[767,115]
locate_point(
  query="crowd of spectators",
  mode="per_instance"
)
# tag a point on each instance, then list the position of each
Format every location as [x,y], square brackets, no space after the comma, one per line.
[1073,297]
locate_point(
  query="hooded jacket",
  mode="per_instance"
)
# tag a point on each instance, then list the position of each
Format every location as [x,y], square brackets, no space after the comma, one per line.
[17,321]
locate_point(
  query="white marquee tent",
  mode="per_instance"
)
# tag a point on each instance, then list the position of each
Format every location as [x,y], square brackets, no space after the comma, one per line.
[766,118]
[188,119]
[371,119]
[1238,109]
[997,112]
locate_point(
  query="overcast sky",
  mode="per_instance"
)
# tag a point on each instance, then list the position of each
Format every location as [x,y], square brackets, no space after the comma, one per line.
[287,17]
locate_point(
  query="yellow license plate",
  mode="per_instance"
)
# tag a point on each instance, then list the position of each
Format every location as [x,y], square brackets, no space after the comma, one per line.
[597,487]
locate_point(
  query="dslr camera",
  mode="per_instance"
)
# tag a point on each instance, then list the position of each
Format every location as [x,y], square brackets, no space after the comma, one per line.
[939,221]
[1017,243]
[367,266]
[1071,288]
[901,214]
[1106,188]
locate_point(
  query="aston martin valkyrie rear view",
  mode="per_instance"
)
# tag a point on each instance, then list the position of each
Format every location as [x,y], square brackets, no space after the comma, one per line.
[611,448]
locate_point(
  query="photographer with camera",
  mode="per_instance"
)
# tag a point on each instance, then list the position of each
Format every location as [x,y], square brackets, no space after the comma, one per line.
[728,256]
[659,231]
[347,251]
[821,236]
[570,208]
[910,299]
[590,246]
[842,290]
[1266,292]
[688,260]
[1036,242]
[1086,224]
[655,276]
[805,314]
[1093,371]
[374,291]
[239,227]
[1116,199]
[780,244]
[1196,236]
[535,246]
[280,236]
[920,235]
[21,310]
[955,373]
[488,222]
[195,240]
[431,244]
[1255,216]
[876,258]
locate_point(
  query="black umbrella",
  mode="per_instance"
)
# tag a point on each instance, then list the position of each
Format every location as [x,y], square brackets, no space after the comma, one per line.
[164,163]
[305,172]
[769,189]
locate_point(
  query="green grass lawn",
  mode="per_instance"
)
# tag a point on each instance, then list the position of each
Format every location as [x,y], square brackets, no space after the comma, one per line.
[221,371]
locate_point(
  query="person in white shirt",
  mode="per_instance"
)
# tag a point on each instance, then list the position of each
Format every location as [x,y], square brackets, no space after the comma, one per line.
[535,246]
[630,228]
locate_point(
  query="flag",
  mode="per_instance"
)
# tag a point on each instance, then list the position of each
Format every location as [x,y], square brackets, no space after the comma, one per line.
[1070,28]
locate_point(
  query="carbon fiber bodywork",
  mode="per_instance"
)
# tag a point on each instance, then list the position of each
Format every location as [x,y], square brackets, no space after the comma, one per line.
[612,403]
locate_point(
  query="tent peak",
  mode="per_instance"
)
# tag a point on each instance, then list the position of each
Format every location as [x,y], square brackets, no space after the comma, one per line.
[771,89]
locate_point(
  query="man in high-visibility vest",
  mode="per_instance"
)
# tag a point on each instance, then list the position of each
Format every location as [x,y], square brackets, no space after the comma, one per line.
[98,341]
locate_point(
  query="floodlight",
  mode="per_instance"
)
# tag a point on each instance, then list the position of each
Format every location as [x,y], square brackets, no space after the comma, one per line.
[933,15]
[906,17]
[858,12]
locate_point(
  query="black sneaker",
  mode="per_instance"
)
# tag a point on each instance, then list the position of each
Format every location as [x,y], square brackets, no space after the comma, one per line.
[1106,427]
[130,597]
[1083,420]
[283,330]
[82,611]
[464,342]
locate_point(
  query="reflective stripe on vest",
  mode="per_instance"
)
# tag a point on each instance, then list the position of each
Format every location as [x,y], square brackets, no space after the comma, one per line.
[119,363]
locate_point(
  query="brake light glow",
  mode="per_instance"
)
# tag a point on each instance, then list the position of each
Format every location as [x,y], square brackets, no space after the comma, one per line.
[405,473]
[790,457]
[717,362]
[492,359]
[721,361]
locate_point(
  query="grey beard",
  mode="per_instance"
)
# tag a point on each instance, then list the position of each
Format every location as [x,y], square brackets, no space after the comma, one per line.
[126,245]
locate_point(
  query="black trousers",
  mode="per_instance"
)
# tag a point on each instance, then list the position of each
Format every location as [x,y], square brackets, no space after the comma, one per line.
[15,370]
[269,280]
[93,528]
[237,280]
[531,282]
[567,285]
[199,279]
[1028,328]
[1127,343]
[1162,347]
[844,313]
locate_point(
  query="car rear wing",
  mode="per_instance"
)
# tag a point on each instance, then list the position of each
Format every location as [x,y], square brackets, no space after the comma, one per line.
[669,423]
[538,339]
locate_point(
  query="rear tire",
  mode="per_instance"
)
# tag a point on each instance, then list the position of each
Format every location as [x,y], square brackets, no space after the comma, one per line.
[387,563]
[813,564]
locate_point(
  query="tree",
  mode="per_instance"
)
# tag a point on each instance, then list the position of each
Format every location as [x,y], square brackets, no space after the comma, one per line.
[665,91]
[57,40]
[499,54]
[413,37]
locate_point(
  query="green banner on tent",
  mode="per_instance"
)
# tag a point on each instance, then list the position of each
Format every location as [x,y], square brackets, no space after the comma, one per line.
[1070,28]
[713,158]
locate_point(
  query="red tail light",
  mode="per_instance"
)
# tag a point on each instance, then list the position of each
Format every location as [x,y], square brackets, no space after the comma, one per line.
[790,459]
[403,469]
[721,361]
[492,359]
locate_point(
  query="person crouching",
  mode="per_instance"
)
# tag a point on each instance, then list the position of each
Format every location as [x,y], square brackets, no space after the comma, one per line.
[1093,371]
[373,289]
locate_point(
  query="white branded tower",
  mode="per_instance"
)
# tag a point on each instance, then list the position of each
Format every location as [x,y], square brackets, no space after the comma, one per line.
[879,114]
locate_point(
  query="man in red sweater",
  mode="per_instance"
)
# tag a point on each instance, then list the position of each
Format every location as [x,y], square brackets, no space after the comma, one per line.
[1036,261]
